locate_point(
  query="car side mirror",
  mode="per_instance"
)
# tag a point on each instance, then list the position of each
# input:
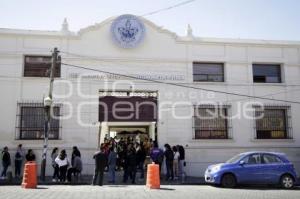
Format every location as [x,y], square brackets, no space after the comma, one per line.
[242,162]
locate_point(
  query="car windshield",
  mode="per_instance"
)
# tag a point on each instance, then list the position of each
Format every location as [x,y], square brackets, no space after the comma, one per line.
[235,158]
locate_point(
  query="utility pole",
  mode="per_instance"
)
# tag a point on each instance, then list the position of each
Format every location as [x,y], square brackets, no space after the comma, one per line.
[47,106]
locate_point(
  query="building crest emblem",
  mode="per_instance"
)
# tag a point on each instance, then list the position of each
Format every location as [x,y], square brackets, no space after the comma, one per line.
[127,31]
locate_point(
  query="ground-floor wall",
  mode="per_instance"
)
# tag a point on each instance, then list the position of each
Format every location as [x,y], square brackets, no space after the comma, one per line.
[197,158]
[82,128]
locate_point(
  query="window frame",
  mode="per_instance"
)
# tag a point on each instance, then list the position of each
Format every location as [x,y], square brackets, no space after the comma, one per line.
[287,121]
[280,77]
[58,67]
[207,75]
[228,133]
[266,154]
[260,159]
[20,129]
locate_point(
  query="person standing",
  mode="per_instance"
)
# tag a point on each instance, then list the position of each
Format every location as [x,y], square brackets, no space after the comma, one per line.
[54,155]
[157,155]
[119,148]
[112,161]
[19,156]
[100,164]
[147,145]
[30,155]
[181,162]
[131,164]
[63,164]
[175,162]
[6,161]
[76,167]
[141,157]
[169,155]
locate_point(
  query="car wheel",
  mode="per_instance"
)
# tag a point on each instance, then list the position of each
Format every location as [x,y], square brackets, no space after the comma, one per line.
[287,182]
[228,181]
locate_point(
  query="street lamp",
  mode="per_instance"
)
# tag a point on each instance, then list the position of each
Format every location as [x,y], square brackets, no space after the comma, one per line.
[47,106]
[47,102]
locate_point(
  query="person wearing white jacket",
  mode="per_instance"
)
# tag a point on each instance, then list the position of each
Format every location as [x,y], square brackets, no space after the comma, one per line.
[63,163]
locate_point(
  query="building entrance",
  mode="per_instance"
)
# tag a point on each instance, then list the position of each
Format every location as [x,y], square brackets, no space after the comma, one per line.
[128,115]
[133,133]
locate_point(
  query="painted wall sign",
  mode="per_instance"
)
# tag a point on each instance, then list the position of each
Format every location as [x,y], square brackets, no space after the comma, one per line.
[127,31]
[102,76]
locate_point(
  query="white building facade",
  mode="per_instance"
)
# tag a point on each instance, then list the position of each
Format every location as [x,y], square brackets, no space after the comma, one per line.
[184,76]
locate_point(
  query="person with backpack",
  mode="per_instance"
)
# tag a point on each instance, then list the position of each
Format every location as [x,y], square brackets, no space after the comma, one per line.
[5,162]
[169,155]
[19,156]
[157,155]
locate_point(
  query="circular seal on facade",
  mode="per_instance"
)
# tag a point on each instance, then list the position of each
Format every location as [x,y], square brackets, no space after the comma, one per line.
[127,31]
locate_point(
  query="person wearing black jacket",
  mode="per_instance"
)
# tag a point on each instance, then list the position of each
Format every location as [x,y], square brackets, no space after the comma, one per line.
[100,164]
[6,161]
[75,153]
[169,155]
[181,160]
[19,156]
[131,163]
[141,157]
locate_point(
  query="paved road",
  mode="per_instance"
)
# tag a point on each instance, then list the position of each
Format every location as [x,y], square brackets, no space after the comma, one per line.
[141,192]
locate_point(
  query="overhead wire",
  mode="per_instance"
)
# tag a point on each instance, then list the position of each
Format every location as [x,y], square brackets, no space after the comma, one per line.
[178,85]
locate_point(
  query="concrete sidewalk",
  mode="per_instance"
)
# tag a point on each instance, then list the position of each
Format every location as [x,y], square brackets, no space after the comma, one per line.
[141,192]
[87,180]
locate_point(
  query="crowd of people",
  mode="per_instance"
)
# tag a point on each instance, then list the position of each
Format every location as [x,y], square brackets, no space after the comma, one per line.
[19,158]
[126,155]
[63,170]
[130,156]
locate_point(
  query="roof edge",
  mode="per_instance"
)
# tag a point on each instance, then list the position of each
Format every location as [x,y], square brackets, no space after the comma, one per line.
[161,29]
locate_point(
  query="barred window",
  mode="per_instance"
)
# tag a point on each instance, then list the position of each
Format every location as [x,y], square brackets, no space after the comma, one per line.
[32,122]
[208,72]
[211,123]
[272,123]
[39,66]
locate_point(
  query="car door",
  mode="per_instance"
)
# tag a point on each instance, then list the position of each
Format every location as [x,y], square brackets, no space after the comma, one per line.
[271,165]
[250,171]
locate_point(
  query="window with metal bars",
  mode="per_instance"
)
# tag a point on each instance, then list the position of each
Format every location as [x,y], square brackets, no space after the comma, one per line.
[211,123]
[273,123]
[32,122]
[39,66]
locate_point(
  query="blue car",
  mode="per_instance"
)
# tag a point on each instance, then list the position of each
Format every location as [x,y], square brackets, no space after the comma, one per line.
[253,168]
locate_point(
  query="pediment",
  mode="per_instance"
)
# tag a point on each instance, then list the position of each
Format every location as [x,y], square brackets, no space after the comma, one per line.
[109,21]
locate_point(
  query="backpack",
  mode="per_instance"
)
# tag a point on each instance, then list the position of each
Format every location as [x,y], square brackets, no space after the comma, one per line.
[18,155]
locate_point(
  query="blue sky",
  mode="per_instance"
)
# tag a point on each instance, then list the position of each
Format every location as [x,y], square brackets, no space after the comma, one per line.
[256,19]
